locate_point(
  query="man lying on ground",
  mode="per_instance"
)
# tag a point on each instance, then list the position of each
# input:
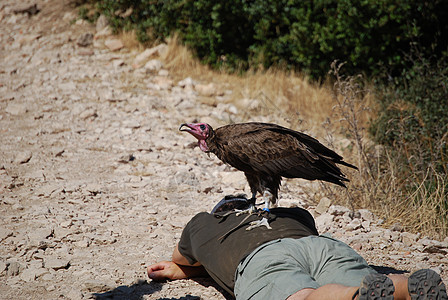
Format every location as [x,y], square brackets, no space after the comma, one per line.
[290,261]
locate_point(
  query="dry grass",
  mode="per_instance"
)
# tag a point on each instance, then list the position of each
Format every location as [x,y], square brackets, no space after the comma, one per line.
[287,93]
[180,61]
[380,184]
[384,183]
[129,40]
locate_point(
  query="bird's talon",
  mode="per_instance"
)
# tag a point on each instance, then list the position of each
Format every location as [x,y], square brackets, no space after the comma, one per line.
[249,210]
[259,223]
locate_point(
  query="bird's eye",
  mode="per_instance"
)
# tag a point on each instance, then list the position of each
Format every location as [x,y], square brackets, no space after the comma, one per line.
[202,126]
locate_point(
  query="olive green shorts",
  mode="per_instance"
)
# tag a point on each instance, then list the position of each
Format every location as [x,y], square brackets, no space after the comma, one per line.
[280,268]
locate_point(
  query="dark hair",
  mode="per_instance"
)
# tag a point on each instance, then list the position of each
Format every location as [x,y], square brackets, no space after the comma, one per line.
[231,202]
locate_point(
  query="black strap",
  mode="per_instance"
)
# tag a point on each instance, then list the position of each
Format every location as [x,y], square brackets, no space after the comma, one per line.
[355,294]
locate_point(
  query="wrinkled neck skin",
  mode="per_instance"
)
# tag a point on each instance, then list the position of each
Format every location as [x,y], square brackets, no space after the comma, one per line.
[203,146]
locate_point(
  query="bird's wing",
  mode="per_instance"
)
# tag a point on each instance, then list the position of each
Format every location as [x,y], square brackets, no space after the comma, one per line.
[266,148]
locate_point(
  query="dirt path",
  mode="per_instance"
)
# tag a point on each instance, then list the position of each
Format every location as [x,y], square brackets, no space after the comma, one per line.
[96,182]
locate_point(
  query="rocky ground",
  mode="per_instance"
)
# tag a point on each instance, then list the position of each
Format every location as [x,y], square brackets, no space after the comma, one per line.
[96,182]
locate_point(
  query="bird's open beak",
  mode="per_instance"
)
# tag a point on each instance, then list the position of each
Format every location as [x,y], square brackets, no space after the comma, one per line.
[192,129]
[184,129]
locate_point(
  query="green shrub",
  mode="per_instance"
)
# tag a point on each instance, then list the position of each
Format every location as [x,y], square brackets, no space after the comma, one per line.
[414,112]
[303,35]
[413,124]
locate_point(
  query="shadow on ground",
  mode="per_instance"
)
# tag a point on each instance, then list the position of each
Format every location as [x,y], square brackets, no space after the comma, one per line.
[139,290]
[388,270]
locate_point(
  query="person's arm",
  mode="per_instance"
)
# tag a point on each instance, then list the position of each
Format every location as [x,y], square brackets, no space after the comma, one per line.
[170,270]
[181,260]
[178,268]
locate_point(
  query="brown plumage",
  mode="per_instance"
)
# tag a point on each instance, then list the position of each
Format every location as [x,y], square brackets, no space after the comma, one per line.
[268,152]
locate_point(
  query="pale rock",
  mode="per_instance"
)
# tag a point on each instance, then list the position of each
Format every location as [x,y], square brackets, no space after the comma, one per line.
[104,240]
[97,286]
[354,225]
[126,131]
[162,83]
[131,123]
[48,277]
[105,32]
[66,223]
[29,274]
[422,265]
[16,109]
[409,239]
[425,241]
[366,215]
[3,267]
[232,109]
[83,243]
[18,206]
[187,83]
[23,157]
[68,16]
[29,38]
[81,22]
[38,236]
[56,263]
[101,23]
[184,177]
[236,180]
[14,268]
[324,222]
[206,90]
[35,264]
[61,233]
[114,44]
[249,104]
[344,143]
[153,65]
[88,113]
[85,39]
[82,52]
[74,294]
[12,19]
[323,205]
[148,53]
[289,203]
[25,8]
[366,225]
[338,210]
[118,63]
[4,233]
[46,190]
[163,72]
[57,152]
[396,227]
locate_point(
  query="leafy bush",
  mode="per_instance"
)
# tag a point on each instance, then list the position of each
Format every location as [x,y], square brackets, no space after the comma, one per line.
[404,181]
[303,35]
[413,117]
[413,125]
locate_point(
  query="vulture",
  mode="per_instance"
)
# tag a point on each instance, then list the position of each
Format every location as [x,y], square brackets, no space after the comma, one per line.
[266,153]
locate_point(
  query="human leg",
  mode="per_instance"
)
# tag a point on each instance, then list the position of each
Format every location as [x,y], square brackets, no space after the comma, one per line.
[288,267]
[326,292]
[269,272]
[334,262]
[421,285]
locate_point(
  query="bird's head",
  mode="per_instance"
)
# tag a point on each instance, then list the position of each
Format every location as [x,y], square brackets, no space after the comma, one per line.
[201,131]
